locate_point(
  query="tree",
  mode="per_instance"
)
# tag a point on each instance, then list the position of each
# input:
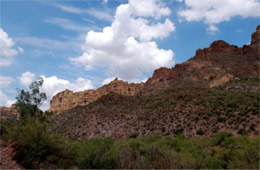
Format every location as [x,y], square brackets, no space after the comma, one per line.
[28,102]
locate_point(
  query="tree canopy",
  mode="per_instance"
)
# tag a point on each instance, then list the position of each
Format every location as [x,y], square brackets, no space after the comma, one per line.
[29,101]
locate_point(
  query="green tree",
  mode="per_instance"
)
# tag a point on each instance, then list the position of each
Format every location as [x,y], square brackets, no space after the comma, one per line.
[28,102]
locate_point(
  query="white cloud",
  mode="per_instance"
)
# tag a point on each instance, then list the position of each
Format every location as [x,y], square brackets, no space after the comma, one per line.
[5,81]
[26,78]
[105,1]
[70,43]
[127,47]
[4,100]
[67,24]
[108,80]
[213,12]
[6,49]
[20,49]
[52,85]
[101,15]
[151,8]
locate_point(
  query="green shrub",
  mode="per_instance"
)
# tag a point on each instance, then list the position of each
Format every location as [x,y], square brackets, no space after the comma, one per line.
[36,148]
[91,154]
[34,144]
[200,132]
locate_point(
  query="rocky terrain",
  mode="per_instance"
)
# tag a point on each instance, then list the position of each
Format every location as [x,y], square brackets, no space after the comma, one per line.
[66,100]
[216,90]
[6,157]
[9,112]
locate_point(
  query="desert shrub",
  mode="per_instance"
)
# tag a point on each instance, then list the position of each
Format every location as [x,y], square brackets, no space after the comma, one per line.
[34,145]
[200,132]
[36,148]
[221,138]
[91,154]
[7,123]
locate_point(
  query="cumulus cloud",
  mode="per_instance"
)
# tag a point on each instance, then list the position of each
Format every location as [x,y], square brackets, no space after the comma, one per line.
[127,48]
[5,81]
[213,12]
[52,85]
[7,50]
[26,78]
[4,100]
[107,80]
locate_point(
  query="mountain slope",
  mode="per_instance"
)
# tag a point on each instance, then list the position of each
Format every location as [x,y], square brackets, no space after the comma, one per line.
[216,90]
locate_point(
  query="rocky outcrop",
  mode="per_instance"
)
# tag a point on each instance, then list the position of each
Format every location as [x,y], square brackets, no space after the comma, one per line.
[67,99]
[195,98]
[210,67]
[220,62]
[7,112]
[256,36]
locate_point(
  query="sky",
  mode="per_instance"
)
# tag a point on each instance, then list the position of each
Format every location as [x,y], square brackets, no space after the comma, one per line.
[84,44]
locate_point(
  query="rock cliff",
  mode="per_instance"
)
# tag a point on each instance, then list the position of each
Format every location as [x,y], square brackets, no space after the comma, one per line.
[6,112]
[212,66]
[67,99]
[216,90]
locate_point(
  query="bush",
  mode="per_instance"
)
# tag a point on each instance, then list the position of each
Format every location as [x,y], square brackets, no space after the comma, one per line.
[36,148]
[200,132]
[34,145]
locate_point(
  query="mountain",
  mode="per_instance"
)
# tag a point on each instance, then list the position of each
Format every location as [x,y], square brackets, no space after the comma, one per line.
[66,100]
[216,90]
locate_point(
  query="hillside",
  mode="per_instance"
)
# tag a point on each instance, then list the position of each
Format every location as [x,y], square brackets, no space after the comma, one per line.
[216,90]
[66,99]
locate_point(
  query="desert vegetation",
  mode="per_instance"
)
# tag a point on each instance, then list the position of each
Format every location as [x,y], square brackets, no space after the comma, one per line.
[38,146]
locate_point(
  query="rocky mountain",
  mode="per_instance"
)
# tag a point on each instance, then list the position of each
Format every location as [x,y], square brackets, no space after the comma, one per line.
[216,90]
[66,100]
[9,112]
[212,66]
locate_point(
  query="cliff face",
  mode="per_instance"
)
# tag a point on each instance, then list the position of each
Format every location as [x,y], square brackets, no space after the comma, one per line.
[66,100]
[216,90]
[6,112]
[212,66]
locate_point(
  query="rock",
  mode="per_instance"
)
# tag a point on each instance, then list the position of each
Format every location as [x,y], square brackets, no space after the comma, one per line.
[221,80]
[256,36]
[6,157]
[211,66]
[66,100]
[7,112]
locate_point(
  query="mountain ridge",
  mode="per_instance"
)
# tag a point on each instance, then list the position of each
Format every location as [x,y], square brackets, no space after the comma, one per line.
[212,66]
[216,90]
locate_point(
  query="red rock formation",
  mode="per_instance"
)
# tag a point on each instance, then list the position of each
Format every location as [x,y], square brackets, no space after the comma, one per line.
[6,112]
[211,67]
[66,100]
[220,61]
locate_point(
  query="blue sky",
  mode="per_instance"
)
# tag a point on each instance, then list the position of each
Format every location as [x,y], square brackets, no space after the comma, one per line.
[64,41]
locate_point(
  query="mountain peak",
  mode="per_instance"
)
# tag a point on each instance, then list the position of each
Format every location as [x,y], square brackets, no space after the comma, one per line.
[255,38]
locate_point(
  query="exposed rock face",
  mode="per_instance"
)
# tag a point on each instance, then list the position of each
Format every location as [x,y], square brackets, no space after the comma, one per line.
[179,100]
[220,62]
[210,67]
[6,112]
[256,36]
[66,100]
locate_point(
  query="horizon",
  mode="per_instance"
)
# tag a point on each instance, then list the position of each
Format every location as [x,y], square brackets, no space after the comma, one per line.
[69,47]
